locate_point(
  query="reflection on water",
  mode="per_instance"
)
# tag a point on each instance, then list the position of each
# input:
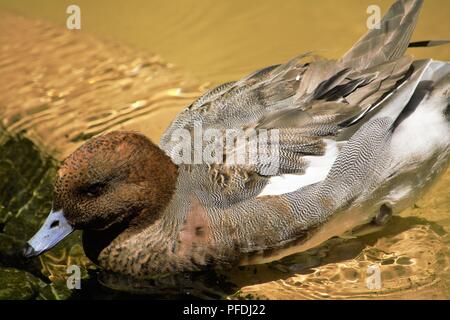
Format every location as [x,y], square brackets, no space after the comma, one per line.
[64,88]
[222,40]
[59,88]
[412,256]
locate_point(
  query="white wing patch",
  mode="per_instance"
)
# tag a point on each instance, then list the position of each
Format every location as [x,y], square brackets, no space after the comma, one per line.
[317,170]
[422,133]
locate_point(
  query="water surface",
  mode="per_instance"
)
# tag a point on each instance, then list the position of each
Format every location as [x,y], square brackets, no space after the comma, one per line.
[218,41]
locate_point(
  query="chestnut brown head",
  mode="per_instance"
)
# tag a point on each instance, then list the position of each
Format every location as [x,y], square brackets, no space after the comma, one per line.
[109,180]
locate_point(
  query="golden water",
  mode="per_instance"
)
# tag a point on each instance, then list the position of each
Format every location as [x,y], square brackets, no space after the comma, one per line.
[61,87]
[222,40]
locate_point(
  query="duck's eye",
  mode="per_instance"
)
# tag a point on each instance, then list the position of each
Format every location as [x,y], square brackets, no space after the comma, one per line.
[94,190]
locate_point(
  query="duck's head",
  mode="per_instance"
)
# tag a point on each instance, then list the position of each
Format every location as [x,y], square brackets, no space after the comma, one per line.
[111,180]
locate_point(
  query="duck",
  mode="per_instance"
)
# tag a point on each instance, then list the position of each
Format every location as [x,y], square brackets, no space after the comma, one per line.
[340,144]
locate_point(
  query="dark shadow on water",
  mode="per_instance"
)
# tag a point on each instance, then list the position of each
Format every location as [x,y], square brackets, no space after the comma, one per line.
[189,286]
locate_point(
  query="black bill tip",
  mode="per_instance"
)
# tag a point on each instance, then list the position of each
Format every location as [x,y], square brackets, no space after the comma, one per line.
[29,252]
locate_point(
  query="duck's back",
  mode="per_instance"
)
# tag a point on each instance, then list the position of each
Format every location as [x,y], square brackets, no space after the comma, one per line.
[314,105]
[359,139]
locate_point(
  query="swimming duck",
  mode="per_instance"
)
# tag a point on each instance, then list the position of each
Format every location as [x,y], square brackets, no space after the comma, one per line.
[355,140]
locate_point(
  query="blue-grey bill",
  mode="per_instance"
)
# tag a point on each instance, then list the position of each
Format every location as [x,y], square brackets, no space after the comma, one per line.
[54,229]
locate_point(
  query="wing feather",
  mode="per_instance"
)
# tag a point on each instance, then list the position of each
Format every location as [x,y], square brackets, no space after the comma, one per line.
[309,101]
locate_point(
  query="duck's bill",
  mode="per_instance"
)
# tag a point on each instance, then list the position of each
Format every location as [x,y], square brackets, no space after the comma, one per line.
[54,229]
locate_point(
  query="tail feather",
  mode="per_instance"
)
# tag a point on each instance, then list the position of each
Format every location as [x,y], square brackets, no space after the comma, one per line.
[428,43]
[390,41]
[397,101]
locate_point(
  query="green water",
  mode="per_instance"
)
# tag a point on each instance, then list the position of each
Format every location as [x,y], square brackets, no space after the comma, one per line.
[26,177]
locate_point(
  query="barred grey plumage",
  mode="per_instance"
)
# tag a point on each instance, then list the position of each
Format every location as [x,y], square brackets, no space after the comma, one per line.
[311,101]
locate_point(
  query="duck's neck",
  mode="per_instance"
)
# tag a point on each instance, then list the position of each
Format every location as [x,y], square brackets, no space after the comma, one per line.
[115,247]
[95,241]
[180,240]
[142,254]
